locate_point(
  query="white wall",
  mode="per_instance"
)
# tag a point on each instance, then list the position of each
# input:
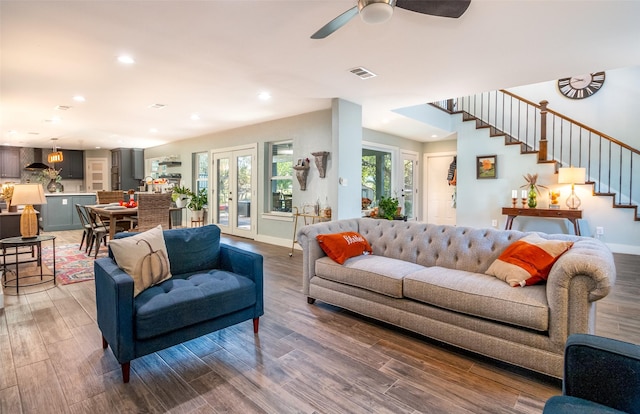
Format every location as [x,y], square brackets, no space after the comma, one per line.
[481,201]
[612,110]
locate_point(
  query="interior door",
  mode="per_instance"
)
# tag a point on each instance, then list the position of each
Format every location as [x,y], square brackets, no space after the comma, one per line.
[96,175]
[234,191]
[440,196]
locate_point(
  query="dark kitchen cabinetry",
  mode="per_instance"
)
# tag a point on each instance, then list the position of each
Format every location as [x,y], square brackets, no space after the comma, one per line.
[72,165]
[127,168]
[9,162]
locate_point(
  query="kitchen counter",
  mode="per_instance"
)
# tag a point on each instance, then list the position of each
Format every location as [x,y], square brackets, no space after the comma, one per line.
[60,212]
[68,194]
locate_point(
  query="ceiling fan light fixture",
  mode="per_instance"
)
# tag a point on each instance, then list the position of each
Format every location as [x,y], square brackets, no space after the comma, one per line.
[375,12]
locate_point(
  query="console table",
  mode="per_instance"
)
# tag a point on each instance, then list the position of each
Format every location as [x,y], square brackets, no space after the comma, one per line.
[571,215]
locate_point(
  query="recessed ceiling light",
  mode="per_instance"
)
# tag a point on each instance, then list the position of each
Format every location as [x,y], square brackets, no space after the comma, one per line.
[13,132]
[79,98]
[126,59]
[53,120]
[434,136]
[264,96]
[98,147]
[195,117]
[153,130]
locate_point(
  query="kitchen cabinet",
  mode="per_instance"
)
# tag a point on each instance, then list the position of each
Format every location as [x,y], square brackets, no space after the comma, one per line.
[72,165]
[127,168]
[60,211]
[10,162]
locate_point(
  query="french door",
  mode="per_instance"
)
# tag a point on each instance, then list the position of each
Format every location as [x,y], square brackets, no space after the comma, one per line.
[409,189]
[233,191]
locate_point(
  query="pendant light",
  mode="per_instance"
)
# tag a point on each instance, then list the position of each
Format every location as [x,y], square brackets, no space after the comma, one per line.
[55,156]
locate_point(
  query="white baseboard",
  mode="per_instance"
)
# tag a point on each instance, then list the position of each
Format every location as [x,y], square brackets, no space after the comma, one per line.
[624,248]
[277,241]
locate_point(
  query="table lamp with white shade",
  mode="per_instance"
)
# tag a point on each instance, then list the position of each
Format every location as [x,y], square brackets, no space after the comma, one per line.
[28,195]
[573,176]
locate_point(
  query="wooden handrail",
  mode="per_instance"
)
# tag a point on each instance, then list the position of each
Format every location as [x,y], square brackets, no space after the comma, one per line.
[556,138]
[573,121]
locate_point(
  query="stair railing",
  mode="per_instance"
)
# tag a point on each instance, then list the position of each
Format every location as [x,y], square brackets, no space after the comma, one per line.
[556,137]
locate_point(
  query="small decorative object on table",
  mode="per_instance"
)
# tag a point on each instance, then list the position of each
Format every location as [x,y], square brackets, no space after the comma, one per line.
[533,189]
[554,199]
[6,193]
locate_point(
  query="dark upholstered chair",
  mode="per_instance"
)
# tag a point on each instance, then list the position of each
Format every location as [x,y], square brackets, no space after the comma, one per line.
[213,286]
[601,375]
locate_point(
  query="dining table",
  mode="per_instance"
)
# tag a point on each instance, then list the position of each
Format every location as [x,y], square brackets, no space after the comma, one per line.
[114,212]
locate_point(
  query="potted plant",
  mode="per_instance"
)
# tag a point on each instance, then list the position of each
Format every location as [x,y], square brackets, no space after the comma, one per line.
[388,207]
[181,195]
[197,202]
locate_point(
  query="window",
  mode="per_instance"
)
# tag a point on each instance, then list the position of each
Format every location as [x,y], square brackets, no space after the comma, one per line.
[201,171]
[376,174]
[281,176]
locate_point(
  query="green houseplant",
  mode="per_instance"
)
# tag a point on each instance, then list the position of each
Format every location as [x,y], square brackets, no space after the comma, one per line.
[388,207]
[181,195]
[198,201]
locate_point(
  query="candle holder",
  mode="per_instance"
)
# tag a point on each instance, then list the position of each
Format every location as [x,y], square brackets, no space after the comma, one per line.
[524,202]
[514,202]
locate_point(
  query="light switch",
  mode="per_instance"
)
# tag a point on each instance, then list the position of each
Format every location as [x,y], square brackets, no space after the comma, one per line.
[64,201]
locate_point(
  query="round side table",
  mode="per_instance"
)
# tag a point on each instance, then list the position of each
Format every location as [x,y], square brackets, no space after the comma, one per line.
[13,246]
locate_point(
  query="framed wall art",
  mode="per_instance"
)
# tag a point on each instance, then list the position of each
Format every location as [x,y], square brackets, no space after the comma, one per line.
[486,166]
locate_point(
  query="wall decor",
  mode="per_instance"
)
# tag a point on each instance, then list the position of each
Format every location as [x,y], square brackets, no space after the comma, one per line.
[486,166]
[321,162]
[301,174]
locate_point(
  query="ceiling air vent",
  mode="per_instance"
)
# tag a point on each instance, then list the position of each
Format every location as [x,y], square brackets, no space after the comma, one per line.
[62,107]
[362,73]
[157,106]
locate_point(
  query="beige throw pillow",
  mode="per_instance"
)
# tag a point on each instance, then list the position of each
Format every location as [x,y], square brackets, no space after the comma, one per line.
[144,257]
[528,261]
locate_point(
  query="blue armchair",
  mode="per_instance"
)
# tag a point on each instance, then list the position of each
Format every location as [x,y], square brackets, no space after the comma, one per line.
[601,375]
[213,286]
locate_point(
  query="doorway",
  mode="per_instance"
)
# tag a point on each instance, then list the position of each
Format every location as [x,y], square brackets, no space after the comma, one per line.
[439,198]
[233,191]
[96,175]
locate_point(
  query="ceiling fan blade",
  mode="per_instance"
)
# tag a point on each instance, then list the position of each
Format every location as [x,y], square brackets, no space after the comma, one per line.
[441,8]
[336,23]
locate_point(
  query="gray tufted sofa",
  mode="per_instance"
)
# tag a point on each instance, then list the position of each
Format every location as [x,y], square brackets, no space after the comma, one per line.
[430,279]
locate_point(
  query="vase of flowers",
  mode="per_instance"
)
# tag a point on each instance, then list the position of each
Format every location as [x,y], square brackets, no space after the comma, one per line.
[54,178]
[534,189]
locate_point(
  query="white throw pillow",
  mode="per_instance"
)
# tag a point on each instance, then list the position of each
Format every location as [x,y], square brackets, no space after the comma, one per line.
[144,257]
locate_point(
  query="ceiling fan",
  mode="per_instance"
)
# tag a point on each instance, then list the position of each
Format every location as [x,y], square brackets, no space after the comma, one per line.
[379,11]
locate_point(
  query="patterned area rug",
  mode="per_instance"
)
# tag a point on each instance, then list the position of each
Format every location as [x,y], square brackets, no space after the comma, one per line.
[72,265]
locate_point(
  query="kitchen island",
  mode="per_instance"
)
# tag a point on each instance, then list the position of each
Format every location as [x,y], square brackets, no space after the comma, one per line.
[60,212]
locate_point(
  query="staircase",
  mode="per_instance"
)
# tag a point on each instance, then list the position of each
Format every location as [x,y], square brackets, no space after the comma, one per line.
[555,138]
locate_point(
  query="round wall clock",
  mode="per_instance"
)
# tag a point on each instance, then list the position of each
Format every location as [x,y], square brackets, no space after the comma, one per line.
[582,86]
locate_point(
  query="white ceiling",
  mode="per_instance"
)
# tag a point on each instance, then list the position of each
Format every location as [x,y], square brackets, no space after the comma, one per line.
[214,57]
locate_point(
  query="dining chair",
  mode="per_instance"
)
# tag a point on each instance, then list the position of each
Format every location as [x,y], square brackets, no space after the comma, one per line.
[99,232]
[153,210]
[86,226]
[106,197]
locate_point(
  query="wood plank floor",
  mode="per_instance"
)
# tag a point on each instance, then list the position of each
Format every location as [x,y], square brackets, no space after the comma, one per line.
[306,358]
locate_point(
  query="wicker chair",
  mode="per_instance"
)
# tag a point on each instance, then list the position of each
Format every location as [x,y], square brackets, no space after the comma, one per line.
[153,209]
[106,197]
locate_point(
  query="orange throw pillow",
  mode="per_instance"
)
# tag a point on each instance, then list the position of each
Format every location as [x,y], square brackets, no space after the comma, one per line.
[342,246]
[528,261]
